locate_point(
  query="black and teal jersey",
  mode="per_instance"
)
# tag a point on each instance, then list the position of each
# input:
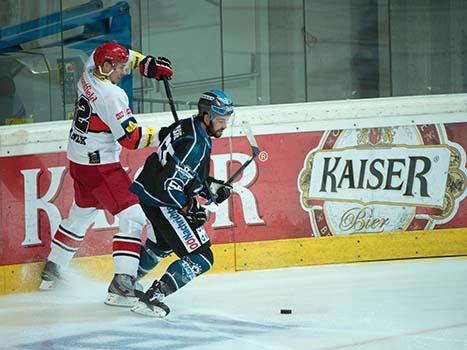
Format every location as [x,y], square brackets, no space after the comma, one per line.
[178,169]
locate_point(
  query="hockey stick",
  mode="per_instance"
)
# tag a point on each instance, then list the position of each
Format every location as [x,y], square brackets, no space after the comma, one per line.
[170,98]
[213,206]
[254,152]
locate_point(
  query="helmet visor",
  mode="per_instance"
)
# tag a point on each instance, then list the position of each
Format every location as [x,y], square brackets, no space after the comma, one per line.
[221,111]
[223,120]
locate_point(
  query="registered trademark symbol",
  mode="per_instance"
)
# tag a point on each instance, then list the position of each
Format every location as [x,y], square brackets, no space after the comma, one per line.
[436,158]
[263,156]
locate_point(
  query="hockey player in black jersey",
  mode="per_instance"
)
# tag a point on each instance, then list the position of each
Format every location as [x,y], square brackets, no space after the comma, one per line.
[167,187]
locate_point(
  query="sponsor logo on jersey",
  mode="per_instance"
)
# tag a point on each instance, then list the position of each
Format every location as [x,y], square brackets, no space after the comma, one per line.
[182,228]
[119,115]
[129,125]
[185,172]
[94,157]
[174,184]
[382,180]
[88,90]
[81,139]
[177,132]
[203,236]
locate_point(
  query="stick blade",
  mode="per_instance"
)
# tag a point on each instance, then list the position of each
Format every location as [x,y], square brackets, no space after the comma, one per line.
[251,138]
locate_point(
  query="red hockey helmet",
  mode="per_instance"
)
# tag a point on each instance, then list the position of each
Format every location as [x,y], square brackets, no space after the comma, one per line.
[112,52]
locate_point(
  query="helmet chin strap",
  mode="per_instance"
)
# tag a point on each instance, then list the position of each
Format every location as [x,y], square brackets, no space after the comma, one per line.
[106,74]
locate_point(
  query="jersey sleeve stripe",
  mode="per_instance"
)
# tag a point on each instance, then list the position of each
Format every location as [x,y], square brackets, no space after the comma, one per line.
[195,140]
[131,142]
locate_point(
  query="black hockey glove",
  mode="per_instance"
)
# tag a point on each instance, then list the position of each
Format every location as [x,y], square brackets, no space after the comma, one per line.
[220,189]
[194,213]
[157,68]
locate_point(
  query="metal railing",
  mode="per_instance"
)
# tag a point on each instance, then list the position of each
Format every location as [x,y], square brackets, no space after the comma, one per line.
[179,105]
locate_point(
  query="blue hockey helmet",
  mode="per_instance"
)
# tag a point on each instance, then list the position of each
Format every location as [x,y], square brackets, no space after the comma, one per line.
[215,103]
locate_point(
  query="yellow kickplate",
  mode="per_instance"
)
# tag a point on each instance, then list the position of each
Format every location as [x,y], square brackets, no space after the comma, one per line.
[351,248]
[271,254]
[26,277]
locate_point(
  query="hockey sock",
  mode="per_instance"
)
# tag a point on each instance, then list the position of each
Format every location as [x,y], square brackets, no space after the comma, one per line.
[126,244]
[70,234]
[151,255]
[182,271]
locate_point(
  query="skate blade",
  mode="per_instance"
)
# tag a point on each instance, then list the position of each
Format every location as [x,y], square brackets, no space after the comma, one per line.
[48,285]
[119,300]
[143,309]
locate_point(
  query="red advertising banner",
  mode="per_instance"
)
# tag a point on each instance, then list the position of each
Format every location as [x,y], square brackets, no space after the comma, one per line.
[303,184]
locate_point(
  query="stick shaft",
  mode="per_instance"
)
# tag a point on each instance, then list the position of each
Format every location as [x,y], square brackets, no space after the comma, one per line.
[239,171]
[170,98]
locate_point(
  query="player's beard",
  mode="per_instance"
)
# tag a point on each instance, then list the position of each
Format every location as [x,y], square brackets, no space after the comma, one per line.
[212,132]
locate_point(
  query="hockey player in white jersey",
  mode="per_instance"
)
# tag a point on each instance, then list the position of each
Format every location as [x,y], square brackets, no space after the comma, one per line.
[103,124]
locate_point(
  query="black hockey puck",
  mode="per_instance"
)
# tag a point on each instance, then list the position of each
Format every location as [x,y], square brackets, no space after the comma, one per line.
[286,311]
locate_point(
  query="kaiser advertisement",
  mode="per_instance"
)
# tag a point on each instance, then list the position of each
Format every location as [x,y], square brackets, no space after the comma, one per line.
[302,184]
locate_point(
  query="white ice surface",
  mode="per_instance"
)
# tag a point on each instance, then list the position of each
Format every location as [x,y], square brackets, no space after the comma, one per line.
[411,304]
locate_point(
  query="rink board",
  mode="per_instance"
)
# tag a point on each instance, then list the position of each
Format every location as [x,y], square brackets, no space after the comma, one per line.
[270,254]
[337,181]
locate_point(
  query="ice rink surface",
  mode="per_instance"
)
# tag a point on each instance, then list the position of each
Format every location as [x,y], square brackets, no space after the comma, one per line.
[409,304]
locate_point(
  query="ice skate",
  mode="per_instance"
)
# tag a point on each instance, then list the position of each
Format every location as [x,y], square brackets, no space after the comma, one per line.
[123,291]
[51,276]
[151,304]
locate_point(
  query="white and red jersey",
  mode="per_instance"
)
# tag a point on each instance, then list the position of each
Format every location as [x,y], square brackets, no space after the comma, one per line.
[103,120]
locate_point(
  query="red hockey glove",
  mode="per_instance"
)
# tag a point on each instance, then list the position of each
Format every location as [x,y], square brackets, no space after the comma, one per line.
[157,68]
